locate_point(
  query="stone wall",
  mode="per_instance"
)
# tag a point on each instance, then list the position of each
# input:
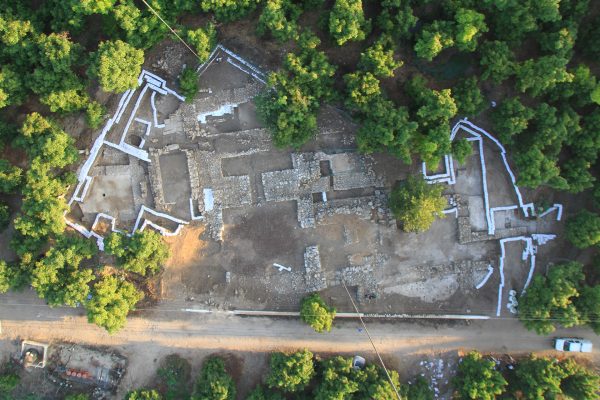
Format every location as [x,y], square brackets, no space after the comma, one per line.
[315,281]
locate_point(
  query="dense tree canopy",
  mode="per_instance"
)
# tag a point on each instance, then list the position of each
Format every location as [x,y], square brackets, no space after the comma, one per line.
[58,277]
[291,372]
[112,299]
[316,313]
[550,299]
[10,177]
[214,383]
[497,61]
[379,59]
[188,84]
[478,379]
[279,19]
[202,40]
[397,18]
[174,375]
[347,21]
[583,229]
[580,383]
[142,253]
[117,66]
[229,10]
[289,107]
[468,98]
[416,204]
[539,378]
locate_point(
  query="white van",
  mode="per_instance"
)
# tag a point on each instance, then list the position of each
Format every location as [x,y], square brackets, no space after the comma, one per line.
[573,344]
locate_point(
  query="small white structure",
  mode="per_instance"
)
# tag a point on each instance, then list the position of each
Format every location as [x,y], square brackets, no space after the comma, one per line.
[33,354]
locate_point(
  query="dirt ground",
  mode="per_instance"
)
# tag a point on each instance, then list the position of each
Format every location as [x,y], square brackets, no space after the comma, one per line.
[409,347]
[427,273]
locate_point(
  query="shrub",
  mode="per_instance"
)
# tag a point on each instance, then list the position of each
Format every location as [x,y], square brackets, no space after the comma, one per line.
[188,84]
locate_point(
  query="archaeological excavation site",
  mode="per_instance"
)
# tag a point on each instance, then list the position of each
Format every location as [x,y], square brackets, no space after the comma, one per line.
[254,227]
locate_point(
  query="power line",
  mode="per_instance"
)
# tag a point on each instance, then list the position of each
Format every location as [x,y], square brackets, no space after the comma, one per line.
[171,29]
[371,340]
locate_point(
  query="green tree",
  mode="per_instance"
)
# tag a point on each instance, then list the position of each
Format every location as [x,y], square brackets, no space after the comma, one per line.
[417,390]
[316,313]
[416,204]
[188,84]
[587,305]
[497,61]
[12,87]
[89,7]
[4,217]
[580,382]
[379,59]
[290,104]
[386,127]
[10,177]
[291,372]
[174,375]
[229,10]
[478,379]
[336,380]
[374,383]
[347,21]
[58,277]
[514,19]
[66,101]
[42,210]
[468,98]
[362,88]
[94,114]
[559,42]
[5,276]
[139,28]
[43,139]
[214,383]
[397,18]
[142,253]
[470,25]
[583,229]
[13,30]
[143,394]
[549,300]
[511,118]
[537,76]
[432,106]
[262,393]
[117,66]
[538,378]
[578,91]
[461,149]
[112,299]
[279,18]
[434,38]
[203,40]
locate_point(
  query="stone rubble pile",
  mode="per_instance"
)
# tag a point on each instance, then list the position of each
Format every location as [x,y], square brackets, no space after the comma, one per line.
[315,280]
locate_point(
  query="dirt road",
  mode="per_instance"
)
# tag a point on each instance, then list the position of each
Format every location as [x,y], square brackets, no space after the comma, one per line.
[163,331]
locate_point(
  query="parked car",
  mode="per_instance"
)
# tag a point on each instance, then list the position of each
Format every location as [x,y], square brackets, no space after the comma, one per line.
[577,345]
